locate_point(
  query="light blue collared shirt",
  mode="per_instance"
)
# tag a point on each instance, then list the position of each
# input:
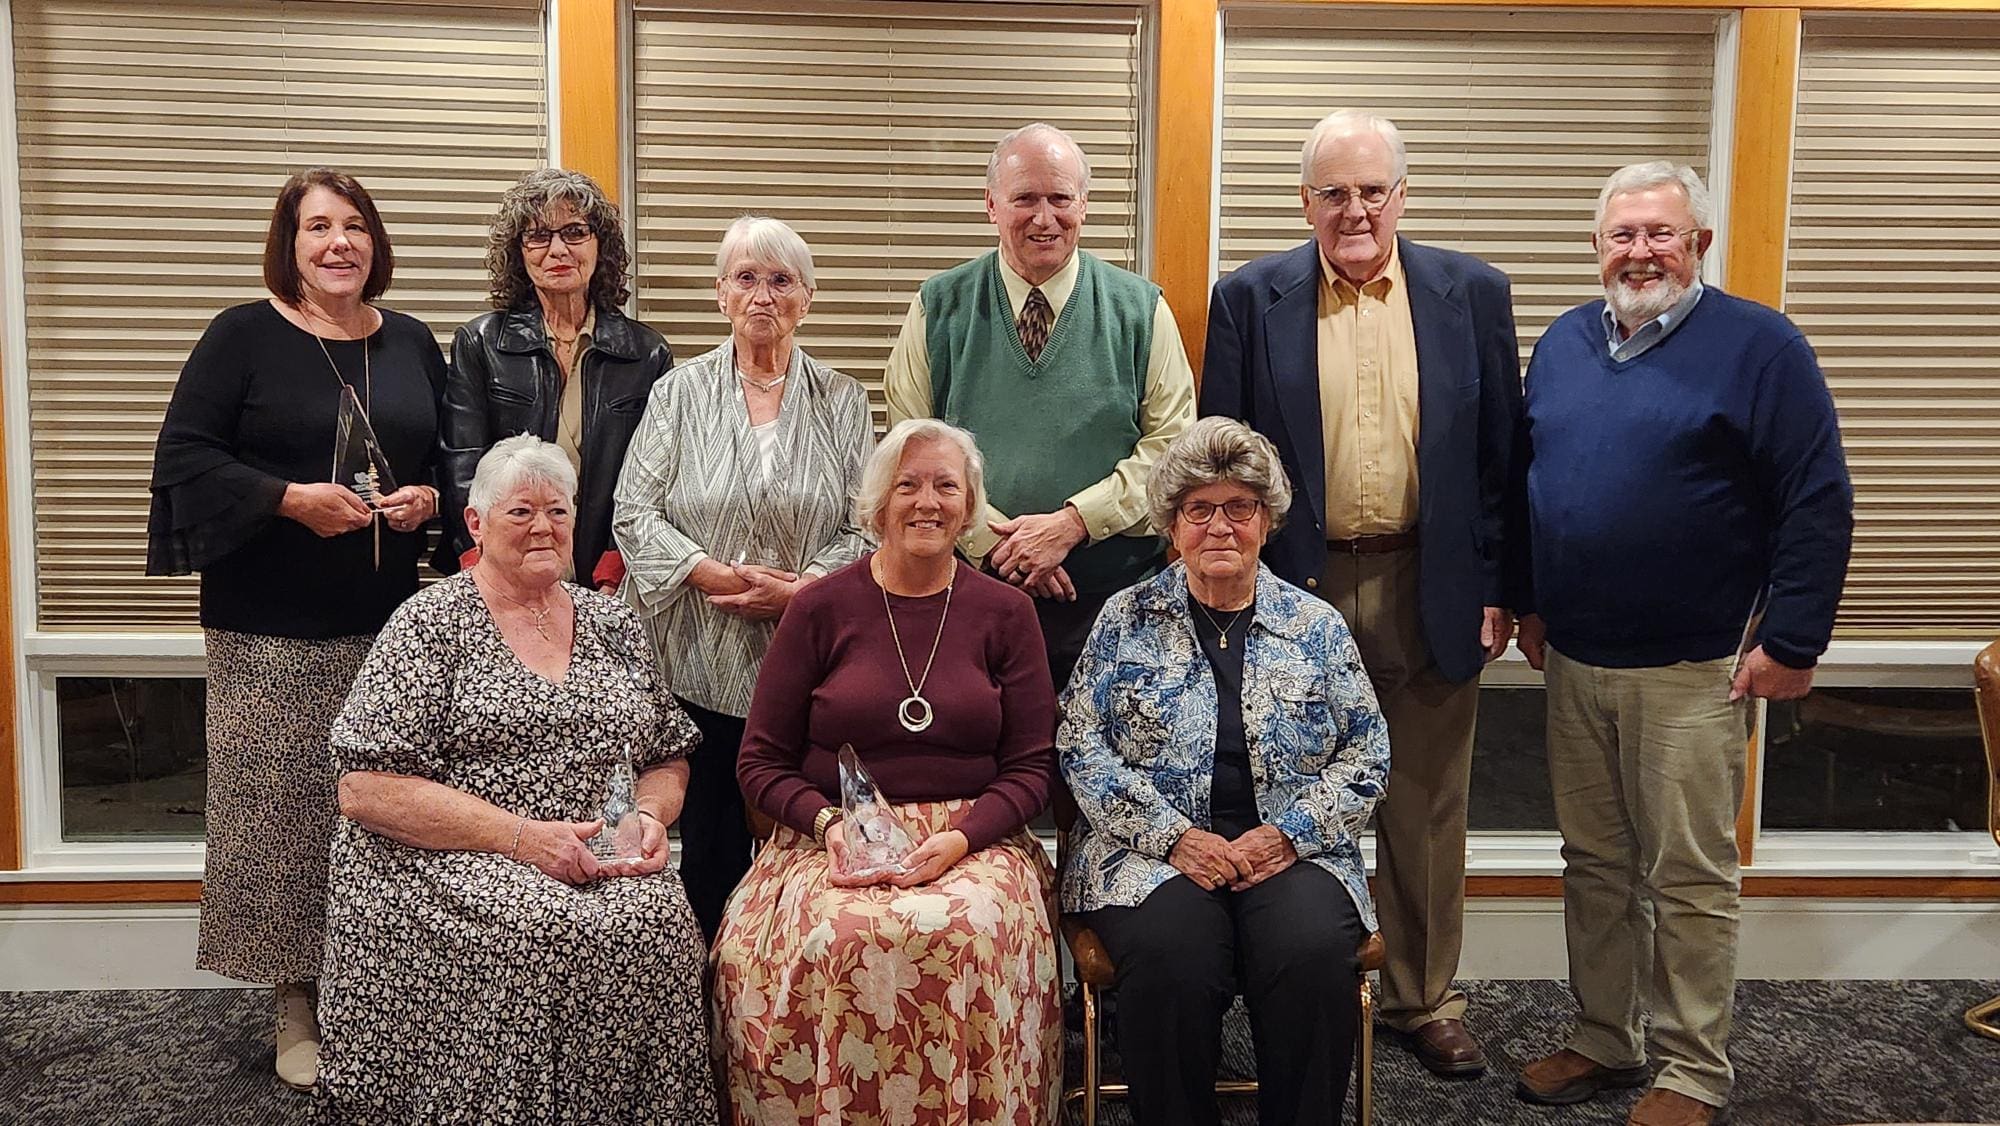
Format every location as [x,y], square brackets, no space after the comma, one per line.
[1653,331]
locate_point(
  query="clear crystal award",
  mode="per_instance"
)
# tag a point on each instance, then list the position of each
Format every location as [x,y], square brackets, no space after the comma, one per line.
[619,842]
[357,457]
[877,841]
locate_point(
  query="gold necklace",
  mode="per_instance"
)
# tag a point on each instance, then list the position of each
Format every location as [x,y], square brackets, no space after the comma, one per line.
[914,713]
[541,613]
[1222,632]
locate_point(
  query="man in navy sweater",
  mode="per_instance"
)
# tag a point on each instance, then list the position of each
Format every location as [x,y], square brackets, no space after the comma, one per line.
[1684,468]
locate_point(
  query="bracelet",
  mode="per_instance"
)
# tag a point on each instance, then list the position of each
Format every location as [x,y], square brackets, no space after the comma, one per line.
[822,821]
[518,826]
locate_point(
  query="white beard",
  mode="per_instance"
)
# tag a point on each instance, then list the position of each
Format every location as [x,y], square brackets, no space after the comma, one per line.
[1637,307]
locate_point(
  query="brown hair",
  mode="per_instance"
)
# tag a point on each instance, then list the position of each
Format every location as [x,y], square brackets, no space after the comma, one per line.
[521,208]
[281,265]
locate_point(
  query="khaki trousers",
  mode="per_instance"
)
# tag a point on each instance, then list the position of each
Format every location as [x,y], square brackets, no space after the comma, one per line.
[1647,767]
[1420,823]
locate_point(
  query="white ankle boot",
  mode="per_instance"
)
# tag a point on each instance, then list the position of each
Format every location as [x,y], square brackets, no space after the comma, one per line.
[298,1035]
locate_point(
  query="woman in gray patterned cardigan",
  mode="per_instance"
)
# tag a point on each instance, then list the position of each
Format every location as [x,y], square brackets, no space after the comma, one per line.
[736,492]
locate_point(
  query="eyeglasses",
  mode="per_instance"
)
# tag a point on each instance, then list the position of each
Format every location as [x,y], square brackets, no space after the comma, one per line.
[780,284]
[1659,238]
[1373,197]
[536,238]
[1239,511]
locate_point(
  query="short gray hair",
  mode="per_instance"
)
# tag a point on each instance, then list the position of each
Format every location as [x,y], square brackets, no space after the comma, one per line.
[1653,174]
[1340,123]
[764,239]
[513,462]
[1031,131]
[1212,451]
[878,477]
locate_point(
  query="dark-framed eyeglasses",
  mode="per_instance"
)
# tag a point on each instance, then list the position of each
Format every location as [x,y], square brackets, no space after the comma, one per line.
[1373,197]
[1659,238]
[535,238]
[1241,510]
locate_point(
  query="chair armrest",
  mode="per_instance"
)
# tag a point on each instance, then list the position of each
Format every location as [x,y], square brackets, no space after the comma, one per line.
[1093,962]
[1373,953]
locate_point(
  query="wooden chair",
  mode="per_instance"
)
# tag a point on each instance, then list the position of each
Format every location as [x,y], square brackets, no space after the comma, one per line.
[1095,973]
[1986,690]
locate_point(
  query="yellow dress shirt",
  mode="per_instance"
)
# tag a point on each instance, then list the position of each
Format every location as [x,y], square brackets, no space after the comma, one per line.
[569,413]
[1115,505]
[1368,402]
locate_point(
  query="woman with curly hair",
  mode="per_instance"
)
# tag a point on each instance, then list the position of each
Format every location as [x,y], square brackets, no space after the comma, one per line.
[555,358]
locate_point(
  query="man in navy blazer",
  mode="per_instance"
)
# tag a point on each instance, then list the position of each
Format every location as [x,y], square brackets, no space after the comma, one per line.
[1388,375]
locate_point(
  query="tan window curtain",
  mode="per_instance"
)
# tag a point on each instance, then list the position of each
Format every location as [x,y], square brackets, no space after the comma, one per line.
[153,138]
[1891,272]
[1512,120]
[866,127]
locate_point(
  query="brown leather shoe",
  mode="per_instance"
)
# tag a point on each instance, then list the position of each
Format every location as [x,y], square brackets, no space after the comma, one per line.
[1447,1048]
[1572,1077]
[1662,1107]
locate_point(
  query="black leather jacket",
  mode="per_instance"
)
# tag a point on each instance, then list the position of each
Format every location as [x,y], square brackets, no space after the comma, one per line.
[504,381]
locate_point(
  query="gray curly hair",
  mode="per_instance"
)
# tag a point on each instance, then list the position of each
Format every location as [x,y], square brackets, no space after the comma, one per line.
[1211,451]
[523,206]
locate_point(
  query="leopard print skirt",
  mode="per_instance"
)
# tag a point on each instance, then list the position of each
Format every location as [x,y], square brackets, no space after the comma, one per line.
[271,801]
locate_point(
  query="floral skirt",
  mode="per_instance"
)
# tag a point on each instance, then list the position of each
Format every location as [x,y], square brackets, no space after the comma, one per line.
[936,1005]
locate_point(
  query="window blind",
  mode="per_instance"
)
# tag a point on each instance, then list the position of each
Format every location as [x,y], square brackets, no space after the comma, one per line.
[1512,119]
[1895,232]
[867,128]
[153,139]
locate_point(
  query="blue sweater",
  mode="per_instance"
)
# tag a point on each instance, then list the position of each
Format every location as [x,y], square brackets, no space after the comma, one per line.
[1666,491]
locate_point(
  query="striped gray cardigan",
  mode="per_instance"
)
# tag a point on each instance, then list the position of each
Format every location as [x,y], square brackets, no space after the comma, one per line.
[694,486]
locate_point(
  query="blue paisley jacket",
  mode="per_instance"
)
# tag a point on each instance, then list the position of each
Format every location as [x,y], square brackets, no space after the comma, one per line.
[1137,740]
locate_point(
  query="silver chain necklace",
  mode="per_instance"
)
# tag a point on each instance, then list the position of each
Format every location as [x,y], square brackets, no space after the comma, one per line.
[914,713]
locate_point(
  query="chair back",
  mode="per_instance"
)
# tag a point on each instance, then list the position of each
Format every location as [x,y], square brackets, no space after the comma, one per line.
[1986,689]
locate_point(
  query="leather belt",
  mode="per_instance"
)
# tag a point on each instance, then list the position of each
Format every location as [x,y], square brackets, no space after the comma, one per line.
[1373,545]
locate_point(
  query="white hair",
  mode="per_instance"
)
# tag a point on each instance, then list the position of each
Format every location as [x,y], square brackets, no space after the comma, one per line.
[761,238]
[513,462]
[1653,174]
[1342,122]
[1039,130]
[878,477]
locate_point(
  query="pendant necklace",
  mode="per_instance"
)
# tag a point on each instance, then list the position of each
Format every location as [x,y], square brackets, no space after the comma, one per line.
[367,407]
[1222,632]
[541,613]
[914,713]
[759,384]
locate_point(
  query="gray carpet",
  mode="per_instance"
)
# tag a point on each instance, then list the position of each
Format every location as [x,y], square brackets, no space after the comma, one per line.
[1807,1054]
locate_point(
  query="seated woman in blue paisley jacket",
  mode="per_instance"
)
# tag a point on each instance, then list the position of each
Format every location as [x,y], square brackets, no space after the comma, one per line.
[1225,749]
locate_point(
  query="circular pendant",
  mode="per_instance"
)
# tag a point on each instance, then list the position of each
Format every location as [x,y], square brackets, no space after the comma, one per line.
[915,713]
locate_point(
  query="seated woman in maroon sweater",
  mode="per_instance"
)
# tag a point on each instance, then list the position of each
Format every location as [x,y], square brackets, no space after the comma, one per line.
[938,987]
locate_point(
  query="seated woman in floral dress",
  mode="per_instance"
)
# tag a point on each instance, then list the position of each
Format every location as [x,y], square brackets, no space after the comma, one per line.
[929,996]
[482,964]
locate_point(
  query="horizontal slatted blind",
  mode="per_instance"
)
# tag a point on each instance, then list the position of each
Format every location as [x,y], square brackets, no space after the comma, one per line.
[153,140]
[1895,236]
[867,128]
[1512,120]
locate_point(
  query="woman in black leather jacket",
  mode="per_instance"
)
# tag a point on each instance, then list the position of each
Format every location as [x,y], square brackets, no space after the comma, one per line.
[555,358]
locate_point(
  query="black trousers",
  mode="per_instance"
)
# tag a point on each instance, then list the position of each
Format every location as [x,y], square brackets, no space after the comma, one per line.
[1065,629]
[715,839]
[1289,945]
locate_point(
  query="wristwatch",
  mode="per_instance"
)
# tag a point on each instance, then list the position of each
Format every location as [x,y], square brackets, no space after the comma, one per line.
[823,820]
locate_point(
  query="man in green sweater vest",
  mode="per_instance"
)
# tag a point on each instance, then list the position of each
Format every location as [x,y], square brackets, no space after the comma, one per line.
[1071,373]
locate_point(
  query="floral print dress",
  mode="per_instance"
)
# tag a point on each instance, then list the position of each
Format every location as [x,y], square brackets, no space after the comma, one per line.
[464,987]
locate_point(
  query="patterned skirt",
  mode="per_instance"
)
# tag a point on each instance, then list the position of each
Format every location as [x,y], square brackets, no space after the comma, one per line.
[271,804]
[935,1004]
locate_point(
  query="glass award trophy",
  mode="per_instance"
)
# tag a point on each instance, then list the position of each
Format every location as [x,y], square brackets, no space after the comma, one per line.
[877,841]
[358,462]
[619,841]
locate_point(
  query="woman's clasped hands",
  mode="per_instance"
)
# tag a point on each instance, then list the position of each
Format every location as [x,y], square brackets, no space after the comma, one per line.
[561,850]
[1213,861]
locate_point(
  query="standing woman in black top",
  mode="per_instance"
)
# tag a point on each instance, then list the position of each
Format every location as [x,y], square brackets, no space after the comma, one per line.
[297,571]
[555,358]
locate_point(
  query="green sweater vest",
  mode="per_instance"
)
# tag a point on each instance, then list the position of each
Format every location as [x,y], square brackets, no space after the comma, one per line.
[1048,428]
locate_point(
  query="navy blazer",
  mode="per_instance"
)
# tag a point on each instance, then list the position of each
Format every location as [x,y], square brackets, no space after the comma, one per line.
[1262,366]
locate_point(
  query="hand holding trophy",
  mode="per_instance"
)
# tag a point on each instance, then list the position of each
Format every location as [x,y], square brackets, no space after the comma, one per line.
[358,462]
[874,842]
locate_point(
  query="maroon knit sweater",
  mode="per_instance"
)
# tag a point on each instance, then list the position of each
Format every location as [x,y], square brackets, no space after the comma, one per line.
[832,677]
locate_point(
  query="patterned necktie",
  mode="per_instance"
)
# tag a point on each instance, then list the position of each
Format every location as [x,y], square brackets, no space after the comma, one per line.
[1034,324]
